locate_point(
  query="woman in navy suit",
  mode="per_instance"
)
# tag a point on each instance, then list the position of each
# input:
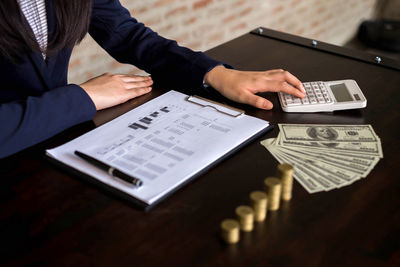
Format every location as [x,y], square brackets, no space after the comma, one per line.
[37,37]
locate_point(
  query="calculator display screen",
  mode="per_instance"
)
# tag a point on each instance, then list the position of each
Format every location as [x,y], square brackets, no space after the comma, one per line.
[341,93]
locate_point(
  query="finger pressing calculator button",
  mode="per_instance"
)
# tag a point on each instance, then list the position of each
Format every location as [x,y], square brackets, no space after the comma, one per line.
[287,96]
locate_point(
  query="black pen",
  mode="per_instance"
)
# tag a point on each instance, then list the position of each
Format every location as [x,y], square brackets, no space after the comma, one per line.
[111,170]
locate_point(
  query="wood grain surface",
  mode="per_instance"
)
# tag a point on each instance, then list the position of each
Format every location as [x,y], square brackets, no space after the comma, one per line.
[50,217]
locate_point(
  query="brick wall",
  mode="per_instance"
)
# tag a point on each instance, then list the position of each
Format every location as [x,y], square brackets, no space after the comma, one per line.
[203,24]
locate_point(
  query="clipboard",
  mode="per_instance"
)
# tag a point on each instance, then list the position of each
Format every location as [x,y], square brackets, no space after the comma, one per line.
[222,108]
[174,162]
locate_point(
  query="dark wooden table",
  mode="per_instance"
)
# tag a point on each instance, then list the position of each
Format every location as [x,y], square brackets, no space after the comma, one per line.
[50,217]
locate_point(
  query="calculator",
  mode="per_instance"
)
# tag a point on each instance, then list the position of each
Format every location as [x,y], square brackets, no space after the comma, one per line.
[324,97]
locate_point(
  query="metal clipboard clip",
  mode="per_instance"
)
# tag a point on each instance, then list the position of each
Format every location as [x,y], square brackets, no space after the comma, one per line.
[222,108]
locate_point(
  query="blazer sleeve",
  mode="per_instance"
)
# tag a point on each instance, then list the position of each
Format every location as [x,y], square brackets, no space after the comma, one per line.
[129,41]
[27,122]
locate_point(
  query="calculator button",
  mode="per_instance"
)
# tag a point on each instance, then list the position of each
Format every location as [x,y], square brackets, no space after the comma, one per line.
[295,104]
[296,101]
[316,93]
[287,96]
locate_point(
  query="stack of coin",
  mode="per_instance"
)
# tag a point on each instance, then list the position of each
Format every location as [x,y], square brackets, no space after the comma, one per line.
[273,188]
[259,201]
[285,173]
[245,216]
[230,231]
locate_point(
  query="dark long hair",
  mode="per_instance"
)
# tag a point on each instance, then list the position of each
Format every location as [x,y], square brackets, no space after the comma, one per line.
[16,37]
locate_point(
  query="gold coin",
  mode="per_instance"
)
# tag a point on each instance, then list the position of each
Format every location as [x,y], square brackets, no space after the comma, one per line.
[230,231]
[259,201]
[273,187]
[259,198]
[244,211]
[285,167]
[246,218]
[285,172]
[272,182]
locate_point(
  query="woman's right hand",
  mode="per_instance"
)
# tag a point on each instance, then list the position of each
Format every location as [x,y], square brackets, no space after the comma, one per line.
[108,90]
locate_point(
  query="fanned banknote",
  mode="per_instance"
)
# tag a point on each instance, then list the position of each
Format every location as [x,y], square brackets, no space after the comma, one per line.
[326,157]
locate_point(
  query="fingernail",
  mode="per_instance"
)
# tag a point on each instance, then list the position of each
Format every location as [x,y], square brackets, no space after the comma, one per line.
[267,105]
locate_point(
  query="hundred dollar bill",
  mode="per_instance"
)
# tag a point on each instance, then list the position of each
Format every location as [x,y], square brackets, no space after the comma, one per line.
[337,161]
[367,161]
[326,157]
[306,182]
[304,174]
[316,176]
[343,138]
[325,171]
[374,149]
[328,133]
[332,172]
[360,157]
[356,163]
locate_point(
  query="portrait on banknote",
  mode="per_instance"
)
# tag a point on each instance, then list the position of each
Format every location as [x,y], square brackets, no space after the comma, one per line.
[322,133]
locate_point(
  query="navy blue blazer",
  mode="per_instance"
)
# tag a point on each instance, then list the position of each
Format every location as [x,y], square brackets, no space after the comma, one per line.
[36,102]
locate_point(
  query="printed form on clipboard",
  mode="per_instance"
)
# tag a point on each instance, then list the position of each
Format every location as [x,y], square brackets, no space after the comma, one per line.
[165,142]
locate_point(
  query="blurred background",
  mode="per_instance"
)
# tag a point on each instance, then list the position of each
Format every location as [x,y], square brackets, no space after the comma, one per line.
[203,24]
